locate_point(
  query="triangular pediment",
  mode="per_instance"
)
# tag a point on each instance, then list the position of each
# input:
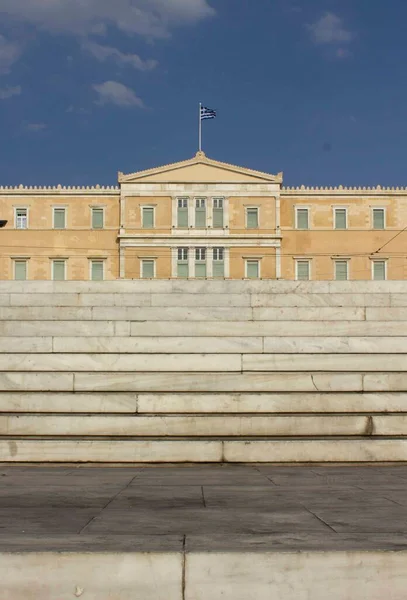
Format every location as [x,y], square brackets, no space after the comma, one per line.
[200,169]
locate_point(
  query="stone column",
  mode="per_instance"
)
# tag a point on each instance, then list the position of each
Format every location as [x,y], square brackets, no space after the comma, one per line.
[191,263]
[209,263]
[278,262]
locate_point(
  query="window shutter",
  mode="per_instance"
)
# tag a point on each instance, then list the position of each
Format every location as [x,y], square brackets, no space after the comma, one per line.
[218,268]
[20,270]
[182,217]
[340,218]
[59,218]
[303,270]
[252,218]
[97,218]
[147,269]
[97,270]
[182,269]
[341,270]
[378,218]
[58,270]
[253,269]
[302,218]
[200,269]
[148,218]
[200,217]
[218,217]
[379,270]
[21,218]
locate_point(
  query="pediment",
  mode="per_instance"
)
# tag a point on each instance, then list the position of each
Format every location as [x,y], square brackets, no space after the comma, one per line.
[200,169]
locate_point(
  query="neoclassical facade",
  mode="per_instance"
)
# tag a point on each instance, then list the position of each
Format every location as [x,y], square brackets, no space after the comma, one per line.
[202,218]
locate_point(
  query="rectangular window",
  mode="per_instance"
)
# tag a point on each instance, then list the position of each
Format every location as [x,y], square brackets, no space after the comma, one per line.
[302,270]
[252,269]
[182,263]
[218,267]
[302,221]
[252,218]
[148,217]
[97,270]
[200,212]
[59,218]
[379,270]
[340,218]
[341,270]
[58,270]
[217,219]
[378,218]
[21,218]
[182,215]
[200,262]
[147,268]
[20,270]
[97,218]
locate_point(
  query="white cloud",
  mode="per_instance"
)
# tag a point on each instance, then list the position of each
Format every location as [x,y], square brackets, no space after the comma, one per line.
[35,127]
[103,53]
[151,18]
[113,92]
[330,29]
[10,52]
[9,92]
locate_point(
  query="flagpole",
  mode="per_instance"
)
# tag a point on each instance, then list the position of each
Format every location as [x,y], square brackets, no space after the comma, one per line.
[200,128]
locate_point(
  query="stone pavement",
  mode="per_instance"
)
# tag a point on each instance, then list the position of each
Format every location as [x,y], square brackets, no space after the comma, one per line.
[206,508]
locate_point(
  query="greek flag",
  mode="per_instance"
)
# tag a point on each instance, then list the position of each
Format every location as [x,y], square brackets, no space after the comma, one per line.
[207,113]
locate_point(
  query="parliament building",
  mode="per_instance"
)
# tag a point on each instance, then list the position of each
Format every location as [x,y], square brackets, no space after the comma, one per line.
[201,218]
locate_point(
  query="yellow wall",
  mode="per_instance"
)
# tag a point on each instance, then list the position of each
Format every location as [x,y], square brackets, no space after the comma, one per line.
[267,214]
[162,213]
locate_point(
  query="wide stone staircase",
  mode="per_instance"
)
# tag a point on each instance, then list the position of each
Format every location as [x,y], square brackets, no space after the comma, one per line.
[203,371]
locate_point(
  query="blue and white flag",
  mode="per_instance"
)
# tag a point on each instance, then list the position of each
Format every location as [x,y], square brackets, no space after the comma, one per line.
[207,113]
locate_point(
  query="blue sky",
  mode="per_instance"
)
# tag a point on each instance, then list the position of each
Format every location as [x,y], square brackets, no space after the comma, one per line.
[314,88]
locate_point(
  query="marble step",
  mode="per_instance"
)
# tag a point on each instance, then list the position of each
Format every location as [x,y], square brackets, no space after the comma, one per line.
[204,363]
[281,450]
[201,403]
[202,425]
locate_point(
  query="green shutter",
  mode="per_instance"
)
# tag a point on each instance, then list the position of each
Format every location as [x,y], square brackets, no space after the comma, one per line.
[20,270]
[378,218]
[303,270]
[147,269]
[182,217]
[341,270]
[218,217]
[252,218]
[97,218]
[59,218]
[200,217]
[218,268]
[200,269]
[340,218]
[97,270]
[182,269]
[253,269]
[148,218]
[302,218]
[379,270]
[58,270]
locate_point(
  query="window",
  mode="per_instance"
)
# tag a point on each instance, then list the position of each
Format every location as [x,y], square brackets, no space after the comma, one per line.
[182,262]
[217,219]
[182,215]
[97,270]
[379,270]
[21,218]
[20,270]
[341,270]
[302,270]
[200,262]
[252,218]
[378,218]
[58,270]
[340,218]
[218,262]
[252,269]
[148,268]
[59,218]
[97,218]
[302,221]
[200,212]
[147,217]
